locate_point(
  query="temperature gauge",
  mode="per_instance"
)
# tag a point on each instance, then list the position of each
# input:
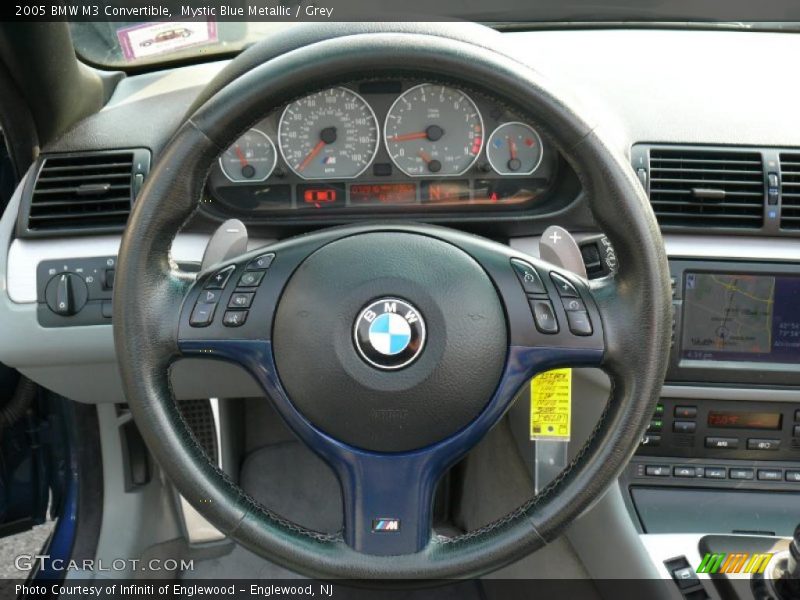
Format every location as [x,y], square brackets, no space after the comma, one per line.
[250,158]
[514,149]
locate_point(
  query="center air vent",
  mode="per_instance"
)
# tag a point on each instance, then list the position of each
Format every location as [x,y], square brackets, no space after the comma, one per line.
[790,196]
[707,187]
[84,193]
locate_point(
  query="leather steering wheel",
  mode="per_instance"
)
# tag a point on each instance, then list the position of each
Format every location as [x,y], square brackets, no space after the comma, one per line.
[390,422]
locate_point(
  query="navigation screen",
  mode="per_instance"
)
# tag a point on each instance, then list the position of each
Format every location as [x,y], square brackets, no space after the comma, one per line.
[735,317]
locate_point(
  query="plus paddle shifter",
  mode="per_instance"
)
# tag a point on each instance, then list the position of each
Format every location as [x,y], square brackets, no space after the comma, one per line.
[558,247]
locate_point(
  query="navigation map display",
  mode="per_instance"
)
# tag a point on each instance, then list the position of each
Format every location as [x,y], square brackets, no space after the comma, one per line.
[737,317]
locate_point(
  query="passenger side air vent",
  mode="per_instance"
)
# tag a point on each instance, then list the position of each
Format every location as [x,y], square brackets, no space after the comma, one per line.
[706,187]
[790,194]
[83,193]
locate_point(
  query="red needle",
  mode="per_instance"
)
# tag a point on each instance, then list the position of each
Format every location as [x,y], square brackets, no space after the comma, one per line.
[314,151]
[240,154]
[424,156]
[410,136]
[512,145]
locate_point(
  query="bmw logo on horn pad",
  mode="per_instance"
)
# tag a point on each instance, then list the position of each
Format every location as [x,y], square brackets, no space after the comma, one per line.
[389,333]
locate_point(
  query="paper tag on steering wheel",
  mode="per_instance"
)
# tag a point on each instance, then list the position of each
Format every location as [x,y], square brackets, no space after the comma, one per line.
[551,405]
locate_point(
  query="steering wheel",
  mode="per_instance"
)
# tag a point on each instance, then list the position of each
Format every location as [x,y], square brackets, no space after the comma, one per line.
[391,349]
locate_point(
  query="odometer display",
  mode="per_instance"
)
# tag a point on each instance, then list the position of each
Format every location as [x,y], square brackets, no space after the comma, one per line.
[433,130]
[332,134]
[382,194]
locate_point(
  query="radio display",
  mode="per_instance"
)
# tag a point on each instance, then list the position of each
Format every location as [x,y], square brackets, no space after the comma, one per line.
[741,317]
[744,420]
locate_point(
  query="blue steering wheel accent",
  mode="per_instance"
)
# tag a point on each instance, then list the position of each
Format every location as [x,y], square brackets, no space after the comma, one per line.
[388,497]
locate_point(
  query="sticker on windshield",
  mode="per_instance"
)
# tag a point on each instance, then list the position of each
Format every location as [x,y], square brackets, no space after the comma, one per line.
[151,39]
[551,405]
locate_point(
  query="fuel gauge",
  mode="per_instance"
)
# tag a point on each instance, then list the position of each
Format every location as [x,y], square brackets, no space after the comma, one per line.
[514,149]
[250,158]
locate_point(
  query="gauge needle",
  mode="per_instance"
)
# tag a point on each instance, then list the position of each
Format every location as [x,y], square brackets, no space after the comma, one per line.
[410,136]
[314,151]
[240,154]
[512,146]
[425,156]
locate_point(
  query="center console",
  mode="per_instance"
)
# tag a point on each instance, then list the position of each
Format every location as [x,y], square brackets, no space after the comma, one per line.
[722,453]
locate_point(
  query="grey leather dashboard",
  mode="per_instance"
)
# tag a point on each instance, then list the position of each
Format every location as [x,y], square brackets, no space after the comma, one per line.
[709,87]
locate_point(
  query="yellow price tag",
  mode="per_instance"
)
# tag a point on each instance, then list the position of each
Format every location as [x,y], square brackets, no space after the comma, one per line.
[551,405]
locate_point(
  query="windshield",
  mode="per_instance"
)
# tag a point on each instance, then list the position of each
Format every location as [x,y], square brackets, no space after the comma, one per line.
[124,44]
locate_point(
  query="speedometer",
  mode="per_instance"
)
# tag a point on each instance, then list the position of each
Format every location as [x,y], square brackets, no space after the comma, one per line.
[433,130]
[328,135]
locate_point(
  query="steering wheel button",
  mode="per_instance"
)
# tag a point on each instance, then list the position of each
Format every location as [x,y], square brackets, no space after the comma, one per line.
[241,300]
[220,278]
[579,323]
[544,316]
[234,318]
[528,277]
[564,287]
[573,305]
[209,297]
[251,278]
[263,262]
[202,315]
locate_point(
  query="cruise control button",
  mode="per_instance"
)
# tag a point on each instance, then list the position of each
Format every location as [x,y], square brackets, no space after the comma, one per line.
[564,287]
[769,475]
[544,316]
[579,323]
[202,315]
[262,262]
[218,280]
[234,318]
[528,277]
[763,444]
[573,304]
[209,296]
[793,476]
[251,278]
[741,473]
[241,300]
[657,471]
[716,472]
[722,442]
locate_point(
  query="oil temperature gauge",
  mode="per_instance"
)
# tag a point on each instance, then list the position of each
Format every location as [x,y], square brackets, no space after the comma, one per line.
[514,149]
[250,158]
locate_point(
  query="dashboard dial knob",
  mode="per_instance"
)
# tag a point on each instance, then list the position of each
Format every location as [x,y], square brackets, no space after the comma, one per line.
[66,294]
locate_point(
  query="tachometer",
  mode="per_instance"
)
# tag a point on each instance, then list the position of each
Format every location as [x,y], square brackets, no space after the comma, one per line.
[328,135]
[433,130]
[250,158]
[514,149]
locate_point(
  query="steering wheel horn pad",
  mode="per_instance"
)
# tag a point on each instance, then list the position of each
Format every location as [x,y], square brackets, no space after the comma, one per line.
[388,479]
[399,410]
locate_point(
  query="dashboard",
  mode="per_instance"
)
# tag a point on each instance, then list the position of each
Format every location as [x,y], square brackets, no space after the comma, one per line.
[384,147]
[729,408]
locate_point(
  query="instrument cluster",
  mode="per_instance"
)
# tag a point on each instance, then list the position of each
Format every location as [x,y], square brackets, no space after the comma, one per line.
[395,146]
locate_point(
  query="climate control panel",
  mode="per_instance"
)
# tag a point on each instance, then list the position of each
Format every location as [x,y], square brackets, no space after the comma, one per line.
[75,291]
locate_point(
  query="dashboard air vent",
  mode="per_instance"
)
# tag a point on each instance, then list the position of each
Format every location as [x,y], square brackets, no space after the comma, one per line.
[707,187]
[84,193]
[790,194]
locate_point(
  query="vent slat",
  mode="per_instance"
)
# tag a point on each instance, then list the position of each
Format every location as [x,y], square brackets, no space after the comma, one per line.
[707,187]
[83,192]
[790,191]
